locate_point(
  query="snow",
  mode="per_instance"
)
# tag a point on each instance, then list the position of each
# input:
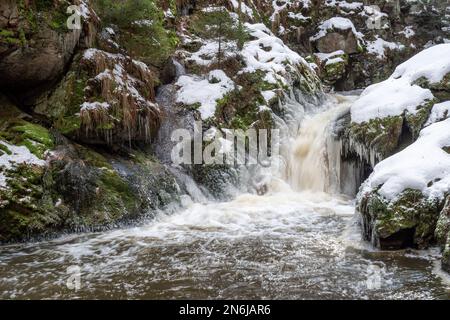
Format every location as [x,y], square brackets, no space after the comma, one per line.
[439,112]
[330,58]
[124,81]
[408,32]
[388,98]
[379,46]
[268,95]
[279,7]
[206,92]
[398,93]
[94,106]
[336,23]
[268,53]
[422,166]
[245,9]
[207,54]
[143,23]
[344,4]
[297,16]
[19,155]
[432,63]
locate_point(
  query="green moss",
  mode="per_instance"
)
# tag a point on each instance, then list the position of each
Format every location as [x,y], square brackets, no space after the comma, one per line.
[115,196]
[409,210]
[64,104]
[4,149]
[20,132]
[92,158]
[416,121]
[380,134]
[150,43]
[441,89]
[26,207]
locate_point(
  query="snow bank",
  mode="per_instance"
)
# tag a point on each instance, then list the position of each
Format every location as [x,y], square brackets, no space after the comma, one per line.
[423,166]
[432,63]
[19,155]
[207,54]
[398,93]
[206,92]
[388,98]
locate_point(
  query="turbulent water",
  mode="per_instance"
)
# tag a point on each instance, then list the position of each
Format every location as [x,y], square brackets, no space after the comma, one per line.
[296,242]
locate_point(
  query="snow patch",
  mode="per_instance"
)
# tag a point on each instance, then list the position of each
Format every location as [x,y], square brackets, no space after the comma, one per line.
[432,63]
[206,92]
[19,155]
[379,46]
[439,112]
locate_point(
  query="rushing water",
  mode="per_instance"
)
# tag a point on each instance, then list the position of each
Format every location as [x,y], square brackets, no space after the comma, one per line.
[295,242]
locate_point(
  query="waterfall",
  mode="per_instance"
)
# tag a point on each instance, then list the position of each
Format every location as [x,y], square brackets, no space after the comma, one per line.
[312,154]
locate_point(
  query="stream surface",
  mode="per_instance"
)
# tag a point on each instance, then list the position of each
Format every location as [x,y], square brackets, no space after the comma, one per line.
[295,242]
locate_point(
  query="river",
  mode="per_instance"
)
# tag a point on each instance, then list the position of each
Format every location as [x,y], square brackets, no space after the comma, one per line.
[299,241]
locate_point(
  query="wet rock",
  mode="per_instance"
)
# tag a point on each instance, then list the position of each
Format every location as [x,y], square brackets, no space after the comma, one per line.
[35,47]
[409,220]
[442,234]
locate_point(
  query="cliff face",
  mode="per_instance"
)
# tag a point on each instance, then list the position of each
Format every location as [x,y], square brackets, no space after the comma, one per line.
[79,111]
[371,37]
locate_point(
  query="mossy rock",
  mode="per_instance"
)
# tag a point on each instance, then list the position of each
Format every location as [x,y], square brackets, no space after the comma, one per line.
[446,255]
[380,134]
[26,206]
[217,179]
[409,220]
[443,224]
[416,121]
[23,133]
[441,89]
[332,71]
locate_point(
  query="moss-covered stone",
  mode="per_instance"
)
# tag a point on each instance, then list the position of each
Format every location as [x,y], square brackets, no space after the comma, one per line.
[443,224]
[416,121]
[408,220]
[334,68]
[441,89]
[446,255]
[380,134]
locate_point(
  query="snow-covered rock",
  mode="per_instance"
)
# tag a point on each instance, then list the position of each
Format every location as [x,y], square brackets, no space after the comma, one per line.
[423,166]
[205,92]
[338,33]
[399,93]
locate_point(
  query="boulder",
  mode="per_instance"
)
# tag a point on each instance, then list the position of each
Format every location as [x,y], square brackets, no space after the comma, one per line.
[342,40]
[35,46]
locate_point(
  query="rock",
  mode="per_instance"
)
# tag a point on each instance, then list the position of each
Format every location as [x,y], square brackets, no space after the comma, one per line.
[408,221]
[94,105]
[446,255]
[442,234]
[332,66]
[334,41]
[35,49]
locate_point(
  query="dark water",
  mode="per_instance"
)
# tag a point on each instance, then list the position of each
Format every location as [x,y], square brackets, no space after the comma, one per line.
[283,246]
